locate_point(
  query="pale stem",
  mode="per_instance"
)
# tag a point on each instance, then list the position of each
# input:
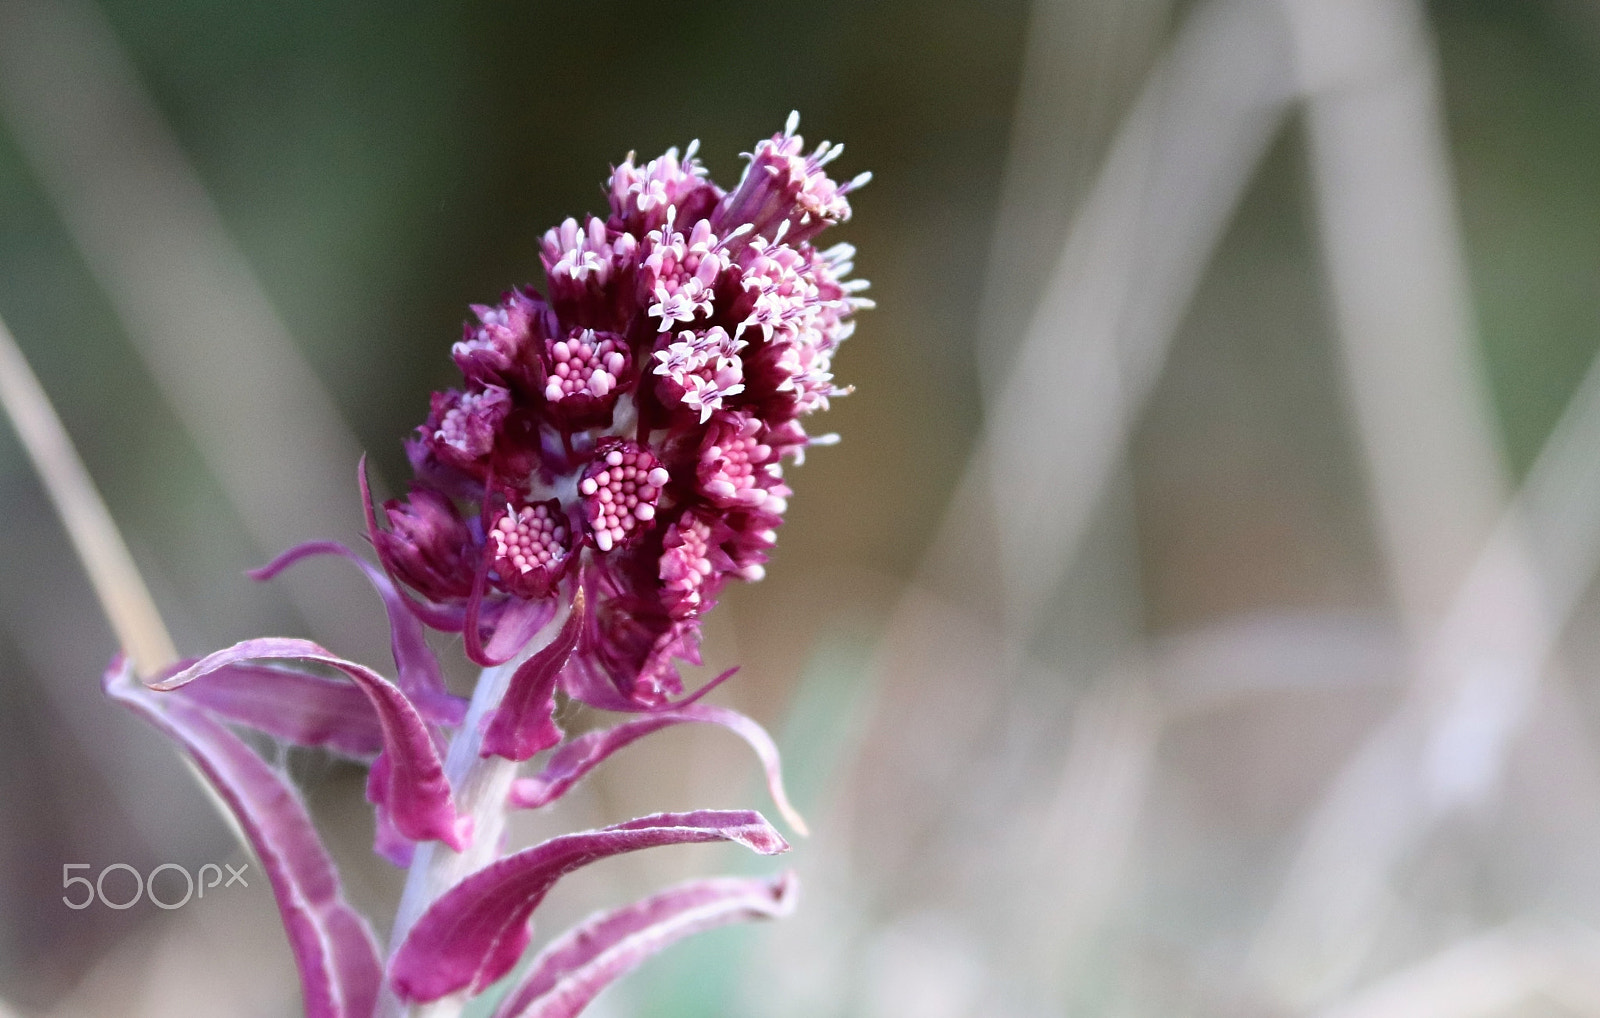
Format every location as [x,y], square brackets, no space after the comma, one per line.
[480,785]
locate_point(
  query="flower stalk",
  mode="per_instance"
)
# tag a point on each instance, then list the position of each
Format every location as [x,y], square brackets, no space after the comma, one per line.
[482,787]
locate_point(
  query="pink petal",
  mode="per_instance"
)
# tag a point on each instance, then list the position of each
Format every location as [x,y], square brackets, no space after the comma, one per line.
[417,794]
[333,946]
[583,754]
[524,722]
[569,973]
[477,930]
[416,667]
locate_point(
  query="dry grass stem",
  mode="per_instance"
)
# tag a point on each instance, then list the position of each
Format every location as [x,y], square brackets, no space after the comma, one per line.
[122,593]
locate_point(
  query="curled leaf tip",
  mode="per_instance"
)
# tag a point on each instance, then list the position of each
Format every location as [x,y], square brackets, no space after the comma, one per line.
[569,764]
[524,723]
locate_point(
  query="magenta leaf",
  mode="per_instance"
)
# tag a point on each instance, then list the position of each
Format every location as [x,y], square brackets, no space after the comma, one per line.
[333,946]
[583,682]
[303,709]
[416,668]
[524,723]
[569,973]
[387,841]
[416,793]
[477,930]
[578,757]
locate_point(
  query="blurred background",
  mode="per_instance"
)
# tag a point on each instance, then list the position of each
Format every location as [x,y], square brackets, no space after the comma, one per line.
[1196,618]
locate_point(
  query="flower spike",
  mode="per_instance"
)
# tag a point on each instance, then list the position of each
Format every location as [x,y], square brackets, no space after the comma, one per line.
[613,456]
[635,426]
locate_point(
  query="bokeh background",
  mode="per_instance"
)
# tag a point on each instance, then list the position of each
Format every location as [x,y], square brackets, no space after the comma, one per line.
[1194,620]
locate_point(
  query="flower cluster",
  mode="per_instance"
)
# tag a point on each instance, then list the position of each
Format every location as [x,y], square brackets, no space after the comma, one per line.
[629,427]
[613,458]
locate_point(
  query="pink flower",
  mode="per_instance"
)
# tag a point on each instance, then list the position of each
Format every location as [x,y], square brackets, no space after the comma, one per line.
[739,466]
[685,338]
[785,188]
[642,196]
[496,351]
[530,547]
[584,375]
[620,489]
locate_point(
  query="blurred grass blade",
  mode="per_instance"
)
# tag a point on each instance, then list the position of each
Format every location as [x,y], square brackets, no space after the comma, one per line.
[1398,285]
[1466,589]
[1498,972]
[1076,850]
[184,292]
[1080,61]
[122,593]
[1125,273]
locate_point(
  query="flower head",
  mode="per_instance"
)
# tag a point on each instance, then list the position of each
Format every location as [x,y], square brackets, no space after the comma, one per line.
[428,546]
[584,374]
[530,547]
[631,429]
[494,351]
